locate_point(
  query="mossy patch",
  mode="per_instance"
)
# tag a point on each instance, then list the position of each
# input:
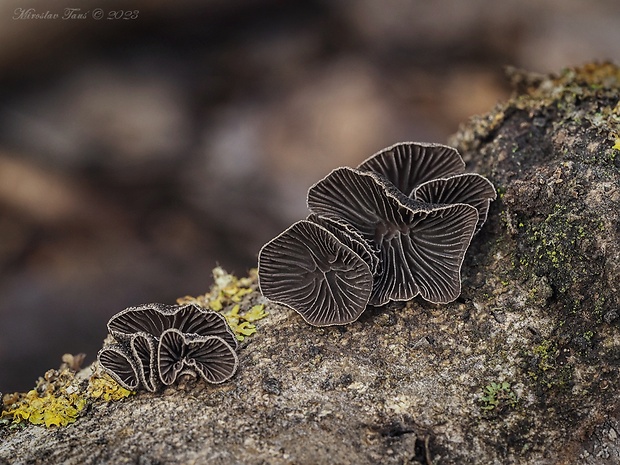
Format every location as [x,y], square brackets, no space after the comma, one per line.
[548,365]
[558,246]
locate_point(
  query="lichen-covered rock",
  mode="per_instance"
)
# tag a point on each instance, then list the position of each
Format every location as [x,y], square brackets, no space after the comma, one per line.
[522,368]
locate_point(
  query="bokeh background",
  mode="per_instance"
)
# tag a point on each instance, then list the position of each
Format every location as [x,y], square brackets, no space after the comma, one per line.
[137,154]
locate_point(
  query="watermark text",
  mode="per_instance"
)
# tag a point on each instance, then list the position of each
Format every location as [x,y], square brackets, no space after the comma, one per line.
[68,14]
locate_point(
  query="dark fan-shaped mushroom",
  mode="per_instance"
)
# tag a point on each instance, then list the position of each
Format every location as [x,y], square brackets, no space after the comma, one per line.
[119,364]
[470,188]
[349,237]
[308,269]
[143,347]
[409,164]
[210,357]
[155,318]
[170,356]
[420,246]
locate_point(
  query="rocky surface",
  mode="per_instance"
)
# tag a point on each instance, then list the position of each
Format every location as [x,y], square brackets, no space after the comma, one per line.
[521,368]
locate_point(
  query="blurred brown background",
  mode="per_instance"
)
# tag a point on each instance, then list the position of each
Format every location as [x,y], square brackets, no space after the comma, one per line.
[137,154]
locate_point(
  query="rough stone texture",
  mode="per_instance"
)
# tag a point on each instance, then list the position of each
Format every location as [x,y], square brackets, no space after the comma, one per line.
[406,385]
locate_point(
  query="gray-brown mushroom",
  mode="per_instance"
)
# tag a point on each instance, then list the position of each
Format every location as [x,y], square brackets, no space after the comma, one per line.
[157,343]
[118,362]
[207,356]
[469,188]
[155,318]
[308,269]
[408,164]
[420,246]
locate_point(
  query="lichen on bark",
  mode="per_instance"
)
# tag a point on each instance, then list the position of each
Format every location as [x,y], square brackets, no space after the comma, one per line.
[521,368]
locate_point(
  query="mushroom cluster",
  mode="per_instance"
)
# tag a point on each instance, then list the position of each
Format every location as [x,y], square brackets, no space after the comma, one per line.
[157,343]
[396,227]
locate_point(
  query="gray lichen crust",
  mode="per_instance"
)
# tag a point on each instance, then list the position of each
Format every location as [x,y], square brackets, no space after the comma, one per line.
[522,369]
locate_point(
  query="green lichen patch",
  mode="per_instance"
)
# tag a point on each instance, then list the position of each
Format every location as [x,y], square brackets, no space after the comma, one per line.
[235,299]
[497,397]
[243,323]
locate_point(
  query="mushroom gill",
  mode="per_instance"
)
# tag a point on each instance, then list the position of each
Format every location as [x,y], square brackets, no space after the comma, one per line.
[469,188]
[209,356]
[155,318]
[309,270]
[143,351]
[408,164]
[119,364]
[420,245]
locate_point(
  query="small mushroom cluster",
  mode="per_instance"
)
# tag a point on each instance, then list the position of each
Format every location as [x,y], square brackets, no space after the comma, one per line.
[157,343]
[396,227]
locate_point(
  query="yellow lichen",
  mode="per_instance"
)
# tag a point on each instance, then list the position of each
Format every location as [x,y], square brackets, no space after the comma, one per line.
[56,400]
[101,386]
[60,395]
[257,312]
[617,144]
[47,409]
[229,295]
[242,324]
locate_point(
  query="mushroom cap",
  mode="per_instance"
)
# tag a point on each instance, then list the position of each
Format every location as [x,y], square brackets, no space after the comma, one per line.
[117,361]
[469,188]
[420,246]
[155,318]
[433,251]
[208,356]
[349,237]
[144,347]
[409,164]
[309,270]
